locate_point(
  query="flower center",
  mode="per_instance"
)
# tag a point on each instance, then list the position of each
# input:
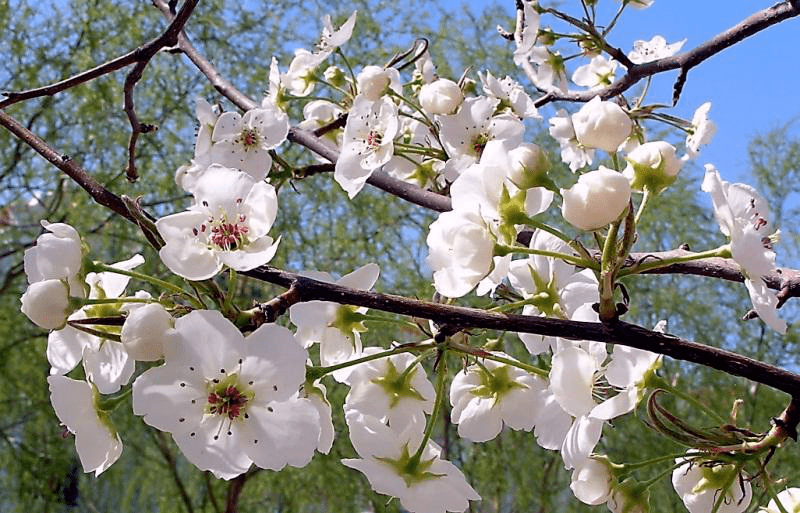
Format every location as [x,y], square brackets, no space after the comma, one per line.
[227,397]
[249,138]
[373,139]
[224,234]
[478,144]
[228,402]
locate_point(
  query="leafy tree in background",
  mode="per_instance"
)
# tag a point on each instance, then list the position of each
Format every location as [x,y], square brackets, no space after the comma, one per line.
[46,42]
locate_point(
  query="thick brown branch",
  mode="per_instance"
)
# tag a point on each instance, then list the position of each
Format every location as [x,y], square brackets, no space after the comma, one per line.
[461,317]
[141,54]
[751,25]
[63,162]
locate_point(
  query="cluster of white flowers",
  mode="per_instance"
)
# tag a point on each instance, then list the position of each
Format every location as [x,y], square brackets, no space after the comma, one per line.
[234,392]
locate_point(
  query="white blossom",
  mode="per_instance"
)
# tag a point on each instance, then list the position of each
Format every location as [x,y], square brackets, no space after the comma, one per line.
[230,401]
[656,48]
[228,224]
[701,131]
[487,396]
[574,154]
[243,142]
[701,485]
[96,441]
[336,327]
[374,81]
[367,143]
[652,166]
[597,74]
[743,216]
[601,124]
[333,38]
[46,303]
[789,499]
[57,255]
[433,485]
[599,198]
[442,96]
[511,95]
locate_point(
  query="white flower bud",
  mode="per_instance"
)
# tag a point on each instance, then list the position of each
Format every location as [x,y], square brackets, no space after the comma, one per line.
[373,82]
[529,165]
[145,331]
[592,482]
[596,200]
[652,166]
[601,125]
[46,303]
[440,97]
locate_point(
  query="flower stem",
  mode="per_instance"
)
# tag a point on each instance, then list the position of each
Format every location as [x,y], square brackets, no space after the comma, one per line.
[481,353]
[722,252]
[101,267]
[503,249]
[314,373]
[437,408]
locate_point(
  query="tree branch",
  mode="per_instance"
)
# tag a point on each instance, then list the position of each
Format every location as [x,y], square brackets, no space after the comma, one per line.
[749,26]
[460,318]
[142,54]
[379,179]
[63,162]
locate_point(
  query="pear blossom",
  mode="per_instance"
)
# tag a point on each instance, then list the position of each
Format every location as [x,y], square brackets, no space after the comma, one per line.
[528,166]
[597,74]
[487,187]
[656,48]
[701,485]
[573,153]
[367,143]
[299,80]
[592,482]
[486,396]
[701,131]
[374,81]
[207,116]
[550,74]
[145,331]
[46,303]
[466,132]
[57,255]
[227,225]
[442,96]
[97,442]
[789,499]
[554,287]
[639,4]
[601,124]
[332,38]
[243,142]
[652,166]
[599,198]
[526,39]
[106,363]
[432,485]
[511,95]
[336,327]
[395,390]
[461,250]
[743,216]
[230,401]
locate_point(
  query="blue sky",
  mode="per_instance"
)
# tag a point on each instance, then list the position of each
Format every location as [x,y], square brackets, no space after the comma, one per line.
[753,85]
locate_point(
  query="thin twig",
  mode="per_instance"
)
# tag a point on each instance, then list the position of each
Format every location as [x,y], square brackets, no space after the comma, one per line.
[143,53]
[749,26]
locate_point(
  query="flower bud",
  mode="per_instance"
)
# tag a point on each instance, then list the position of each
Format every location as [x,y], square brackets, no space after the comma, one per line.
[596,200]
[373,82]
[335,76]
[56,255]
[440,97]
[145,331]
[592,482]
[603,125]
[652,166]
[529,166]
[46,303]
